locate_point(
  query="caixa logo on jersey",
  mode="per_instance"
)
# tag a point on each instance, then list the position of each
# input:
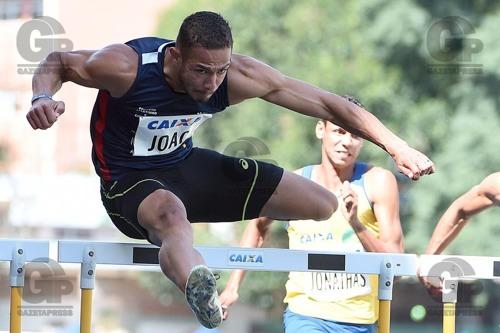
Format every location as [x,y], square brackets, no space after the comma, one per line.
[245,258]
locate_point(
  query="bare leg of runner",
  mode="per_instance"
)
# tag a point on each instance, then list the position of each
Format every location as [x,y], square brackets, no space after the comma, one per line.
[298,198]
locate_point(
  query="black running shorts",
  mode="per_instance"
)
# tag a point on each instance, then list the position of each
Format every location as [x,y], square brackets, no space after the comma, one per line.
[212,186]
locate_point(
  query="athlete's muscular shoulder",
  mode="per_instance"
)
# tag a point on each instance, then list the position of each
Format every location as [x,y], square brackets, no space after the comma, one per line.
[249,78]
[375,173]
[112,68]
[380,181]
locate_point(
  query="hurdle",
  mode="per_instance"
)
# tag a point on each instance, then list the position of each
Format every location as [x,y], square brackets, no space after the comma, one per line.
[19,252]
[386,266]
[449,304]
[459,268]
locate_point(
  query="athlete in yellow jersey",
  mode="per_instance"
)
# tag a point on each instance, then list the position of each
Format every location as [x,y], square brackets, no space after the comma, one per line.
[367,221]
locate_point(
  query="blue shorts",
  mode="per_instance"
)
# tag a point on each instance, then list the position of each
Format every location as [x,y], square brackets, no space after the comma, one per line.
[295,323]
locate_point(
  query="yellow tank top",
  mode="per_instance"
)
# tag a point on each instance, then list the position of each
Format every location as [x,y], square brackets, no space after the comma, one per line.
[349,298]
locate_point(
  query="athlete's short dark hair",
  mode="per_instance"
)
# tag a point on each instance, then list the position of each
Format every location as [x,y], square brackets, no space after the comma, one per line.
[206,29]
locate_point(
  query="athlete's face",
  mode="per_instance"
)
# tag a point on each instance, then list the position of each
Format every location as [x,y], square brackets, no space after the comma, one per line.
[339,146]
[202,71]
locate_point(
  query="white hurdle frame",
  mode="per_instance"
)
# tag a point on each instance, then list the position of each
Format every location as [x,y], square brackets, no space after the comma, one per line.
[459,268]
[486,268]
[273,259]
[385,265]
[19,252]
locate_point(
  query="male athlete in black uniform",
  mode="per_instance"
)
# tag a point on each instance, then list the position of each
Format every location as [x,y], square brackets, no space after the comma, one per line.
[153,94]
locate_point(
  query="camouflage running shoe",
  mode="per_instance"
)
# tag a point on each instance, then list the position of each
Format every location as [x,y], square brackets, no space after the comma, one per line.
[202,296]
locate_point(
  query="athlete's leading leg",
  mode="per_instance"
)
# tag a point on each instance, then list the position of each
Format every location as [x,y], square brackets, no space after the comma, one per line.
[163,215]
[298,198]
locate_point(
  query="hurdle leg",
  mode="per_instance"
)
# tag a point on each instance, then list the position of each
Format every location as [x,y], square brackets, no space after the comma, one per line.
[86,311]
[448,317]
[16,288]
[385,284]
[16,294]
[450,296]
[384,319]
[87,281]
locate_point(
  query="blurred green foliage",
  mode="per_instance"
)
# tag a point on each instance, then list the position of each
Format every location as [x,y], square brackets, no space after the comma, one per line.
[376,51]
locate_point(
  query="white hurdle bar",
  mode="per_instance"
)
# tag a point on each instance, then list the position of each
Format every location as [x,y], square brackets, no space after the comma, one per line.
[464,267]
[19,252]
[385,265]
[458,268]
[261,259]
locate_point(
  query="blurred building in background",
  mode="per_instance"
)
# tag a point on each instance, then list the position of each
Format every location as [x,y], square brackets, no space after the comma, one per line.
[32,163]
[48,188]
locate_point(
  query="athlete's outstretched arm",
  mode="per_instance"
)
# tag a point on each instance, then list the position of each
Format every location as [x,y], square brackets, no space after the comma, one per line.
[477,199]
[253,236]
[111,68]
[250,78]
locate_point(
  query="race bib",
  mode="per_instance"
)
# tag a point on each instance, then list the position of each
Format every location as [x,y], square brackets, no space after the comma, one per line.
[331,287]
[334,287]
[162,135]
